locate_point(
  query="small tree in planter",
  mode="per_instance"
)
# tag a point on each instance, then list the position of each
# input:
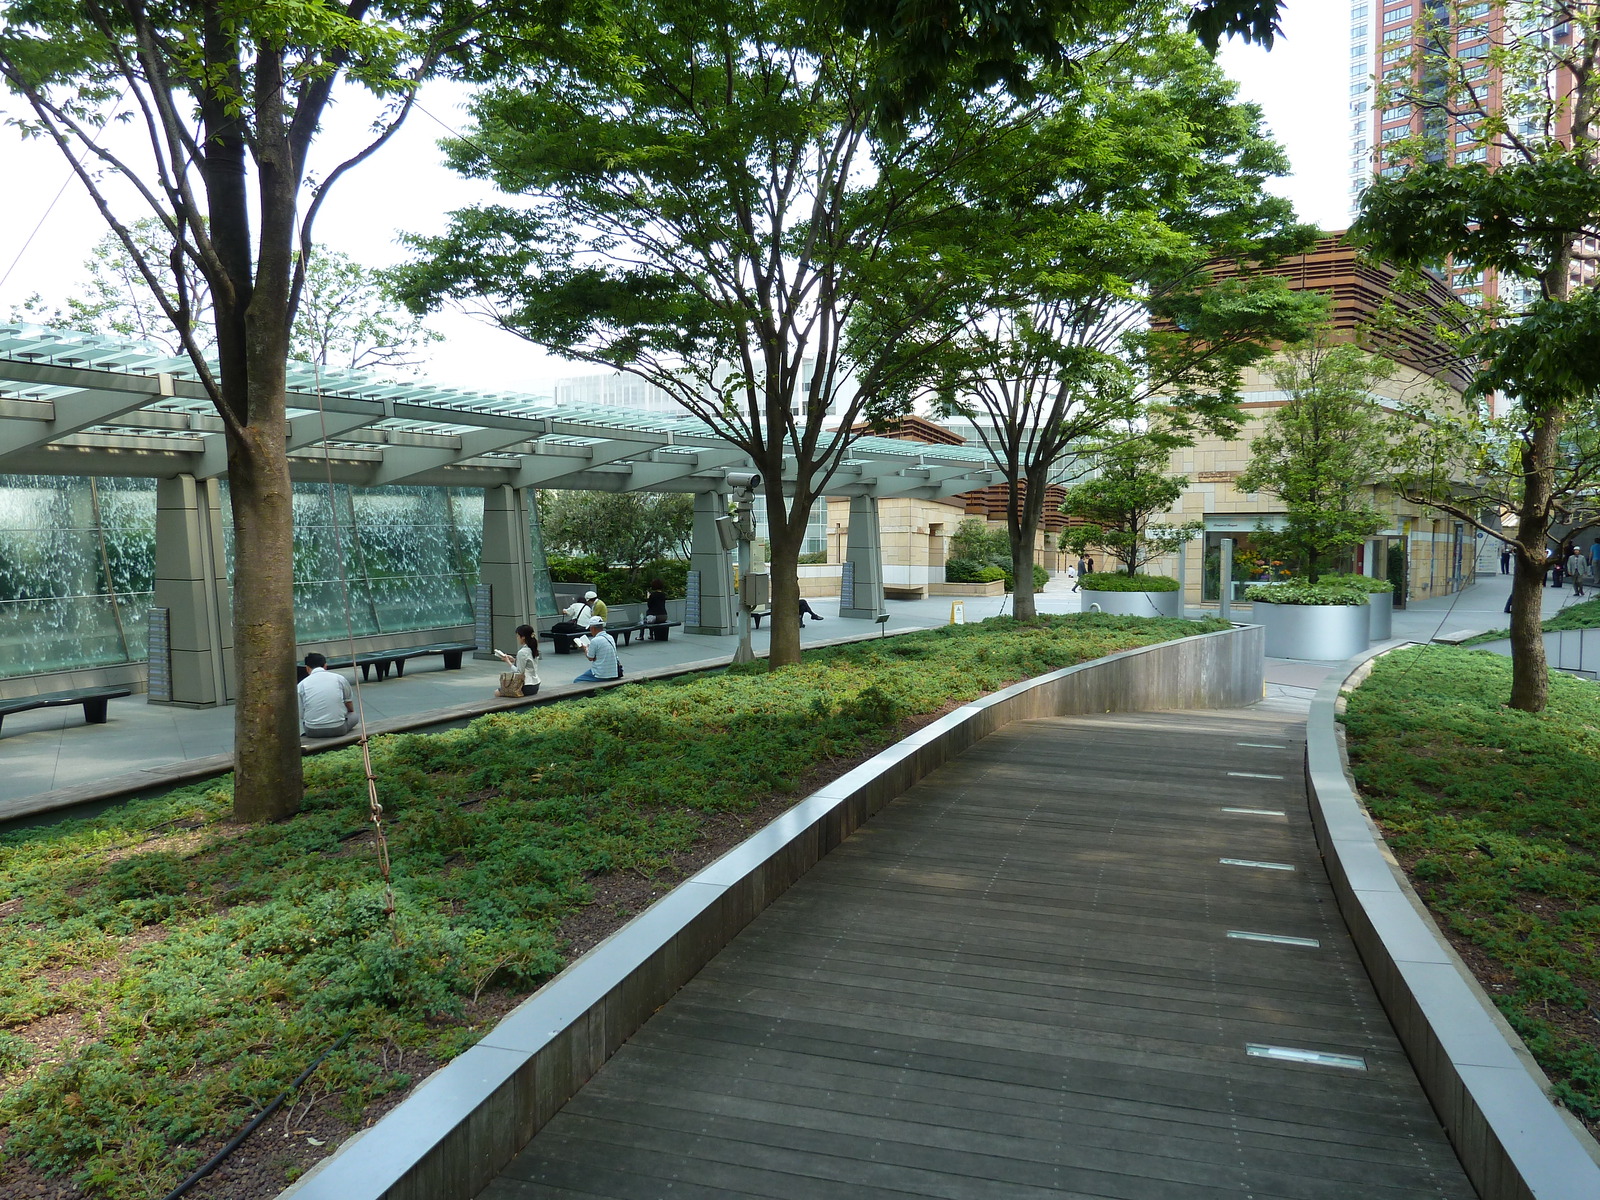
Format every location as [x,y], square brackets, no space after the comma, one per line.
[1319,450]
[1119,505]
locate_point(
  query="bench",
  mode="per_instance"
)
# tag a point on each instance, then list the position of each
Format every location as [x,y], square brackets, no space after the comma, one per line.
[396,658]
[93,700]
[626,632]
[894,591]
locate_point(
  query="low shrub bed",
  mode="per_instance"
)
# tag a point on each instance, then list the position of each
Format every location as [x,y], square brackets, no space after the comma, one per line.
[1583,615]
[163,973]
[1116,581]
[1299,592]
[1495,814]
[1358,583]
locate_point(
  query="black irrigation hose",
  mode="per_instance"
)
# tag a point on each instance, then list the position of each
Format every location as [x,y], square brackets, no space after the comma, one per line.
[216,1160]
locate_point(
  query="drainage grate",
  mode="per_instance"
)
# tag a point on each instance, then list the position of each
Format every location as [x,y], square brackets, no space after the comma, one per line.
[1276,939]
[1315,1058]
[1250,862]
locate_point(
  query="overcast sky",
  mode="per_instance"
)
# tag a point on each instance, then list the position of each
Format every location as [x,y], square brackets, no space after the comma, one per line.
[1300,85]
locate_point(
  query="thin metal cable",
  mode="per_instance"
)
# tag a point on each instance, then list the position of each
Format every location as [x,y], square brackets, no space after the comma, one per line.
[374,806]
[62,191]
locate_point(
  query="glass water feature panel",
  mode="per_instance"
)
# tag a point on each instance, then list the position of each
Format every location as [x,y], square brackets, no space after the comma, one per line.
[466,514]
[76,560]
[410,549]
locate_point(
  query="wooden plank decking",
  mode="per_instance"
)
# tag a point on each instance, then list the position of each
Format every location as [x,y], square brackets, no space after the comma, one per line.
[1017,981]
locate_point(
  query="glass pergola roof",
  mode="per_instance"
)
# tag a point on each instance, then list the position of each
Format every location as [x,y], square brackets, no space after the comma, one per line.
[76,403]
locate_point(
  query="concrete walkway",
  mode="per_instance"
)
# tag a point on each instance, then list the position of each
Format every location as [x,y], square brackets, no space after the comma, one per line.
[1093,957]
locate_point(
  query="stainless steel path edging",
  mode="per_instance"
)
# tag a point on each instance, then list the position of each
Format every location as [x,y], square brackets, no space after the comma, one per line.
[1488,1093]
[451,1136]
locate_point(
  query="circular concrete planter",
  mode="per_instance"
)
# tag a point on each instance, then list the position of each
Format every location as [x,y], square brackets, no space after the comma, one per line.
[1135,604]
[1319,631]
[1380,606]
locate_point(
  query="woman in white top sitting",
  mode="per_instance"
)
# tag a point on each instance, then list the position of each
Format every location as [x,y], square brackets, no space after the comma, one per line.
[527,659]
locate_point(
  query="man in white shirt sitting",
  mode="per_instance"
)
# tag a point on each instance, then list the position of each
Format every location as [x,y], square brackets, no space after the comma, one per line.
[327,708]
[601,651]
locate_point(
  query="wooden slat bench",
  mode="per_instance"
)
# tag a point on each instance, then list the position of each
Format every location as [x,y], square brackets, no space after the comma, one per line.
[93,700]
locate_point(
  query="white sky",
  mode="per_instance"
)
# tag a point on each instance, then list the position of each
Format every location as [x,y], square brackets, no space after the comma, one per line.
[1301,86]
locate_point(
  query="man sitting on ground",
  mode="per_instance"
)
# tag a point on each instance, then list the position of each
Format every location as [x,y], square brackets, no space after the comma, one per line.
[602,654]
[327,707]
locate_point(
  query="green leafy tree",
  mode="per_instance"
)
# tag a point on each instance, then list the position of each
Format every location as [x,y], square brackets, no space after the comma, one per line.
[345,319]
[1085,287]
[625,529]
[1321,452]
[706,201]
[924,43]
[1533,220]
[222,102]
[1120,504]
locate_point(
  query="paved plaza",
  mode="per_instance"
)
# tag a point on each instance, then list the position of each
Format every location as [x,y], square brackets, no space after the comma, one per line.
[49,751]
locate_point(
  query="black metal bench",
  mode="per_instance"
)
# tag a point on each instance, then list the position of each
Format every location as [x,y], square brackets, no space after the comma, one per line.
[93,700]
[384,660]
[626,632]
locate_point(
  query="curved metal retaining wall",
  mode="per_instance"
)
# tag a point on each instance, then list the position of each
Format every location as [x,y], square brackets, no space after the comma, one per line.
[449,1138]
[1485,1087]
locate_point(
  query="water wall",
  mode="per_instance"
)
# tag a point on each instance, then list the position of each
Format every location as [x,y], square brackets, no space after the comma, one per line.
[77,560]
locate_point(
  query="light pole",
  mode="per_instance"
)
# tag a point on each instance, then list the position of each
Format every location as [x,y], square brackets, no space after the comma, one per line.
[752,588]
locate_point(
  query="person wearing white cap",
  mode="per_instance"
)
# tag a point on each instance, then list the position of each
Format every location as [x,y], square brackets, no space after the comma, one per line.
[597,606]
[601,652]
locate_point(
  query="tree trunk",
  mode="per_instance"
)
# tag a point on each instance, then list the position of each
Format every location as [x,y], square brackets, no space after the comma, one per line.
[268,781]
[785,534]
[1024,509]
[1530,671]
[1022,603]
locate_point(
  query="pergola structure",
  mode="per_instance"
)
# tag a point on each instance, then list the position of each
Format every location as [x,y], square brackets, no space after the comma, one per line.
[82,405]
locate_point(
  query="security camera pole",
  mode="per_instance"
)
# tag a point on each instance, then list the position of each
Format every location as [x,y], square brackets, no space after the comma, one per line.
[752,588]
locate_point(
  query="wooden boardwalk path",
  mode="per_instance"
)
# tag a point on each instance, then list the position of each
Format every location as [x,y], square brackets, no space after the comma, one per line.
[1022,980]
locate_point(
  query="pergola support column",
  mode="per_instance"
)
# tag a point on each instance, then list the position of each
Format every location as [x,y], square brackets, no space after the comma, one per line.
[513,565]
[708,560]
[191,583]
[862,594]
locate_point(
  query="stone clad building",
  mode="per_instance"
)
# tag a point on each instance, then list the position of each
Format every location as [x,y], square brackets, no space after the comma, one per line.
[1425,552]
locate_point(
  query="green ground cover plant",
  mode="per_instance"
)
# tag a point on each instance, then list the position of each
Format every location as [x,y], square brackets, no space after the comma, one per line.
[1297,591]
[1496,813]
[1116,581]
[164,973]
[1585,615]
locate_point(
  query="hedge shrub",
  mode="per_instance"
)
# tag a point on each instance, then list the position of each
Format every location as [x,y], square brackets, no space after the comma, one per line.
[1305,593]
[1116,581]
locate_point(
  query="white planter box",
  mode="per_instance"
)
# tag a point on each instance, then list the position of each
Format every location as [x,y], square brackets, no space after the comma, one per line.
[1381,616]
[1135,604]
[1316,631]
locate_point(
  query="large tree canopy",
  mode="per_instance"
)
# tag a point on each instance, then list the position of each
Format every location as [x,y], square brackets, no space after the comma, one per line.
[1084,289]
[705,199]
[223,101]
[924,41]
[1534,220]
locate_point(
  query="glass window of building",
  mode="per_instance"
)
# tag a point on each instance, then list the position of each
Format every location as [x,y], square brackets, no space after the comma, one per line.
[1399,112]
[1397,14]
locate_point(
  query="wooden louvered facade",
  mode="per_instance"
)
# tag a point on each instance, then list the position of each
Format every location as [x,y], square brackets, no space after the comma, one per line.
[1359,292]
